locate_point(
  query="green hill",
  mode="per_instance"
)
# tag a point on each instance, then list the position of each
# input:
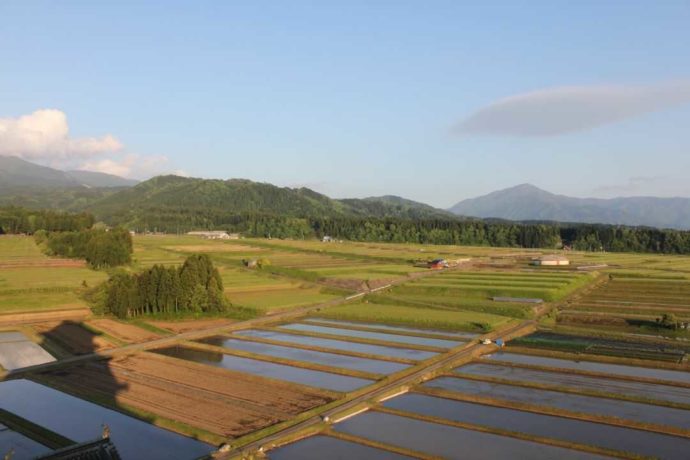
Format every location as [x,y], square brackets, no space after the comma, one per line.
[182,198]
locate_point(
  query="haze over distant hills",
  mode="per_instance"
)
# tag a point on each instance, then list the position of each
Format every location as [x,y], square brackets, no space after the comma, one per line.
[18,173]
[120,200]
[527,202]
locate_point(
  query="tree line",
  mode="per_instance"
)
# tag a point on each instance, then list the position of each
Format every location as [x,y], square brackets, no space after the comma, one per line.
[194,287]
[100,248]
[586,237]
[475,232]
[16,220]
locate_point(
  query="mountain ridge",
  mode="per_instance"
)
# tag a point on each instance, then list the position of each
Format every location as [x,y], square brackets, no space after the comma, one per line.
[16,172]
[526,202]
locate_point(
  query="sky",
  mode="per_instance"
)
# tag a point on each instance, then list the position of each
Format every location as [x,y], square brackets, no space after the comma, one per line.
[435,101]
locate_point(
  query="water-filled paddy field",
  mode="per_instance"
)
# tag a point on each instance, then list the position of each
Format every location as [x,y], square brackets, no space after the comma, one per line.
[645,413]
[298,375]
[22,446]
[314,448]
[311,356]
[591,366]
[547,426]
[379,326]
[385,337]
[447,441]
[571,381]
[17,351]
[383,351]
[82,421]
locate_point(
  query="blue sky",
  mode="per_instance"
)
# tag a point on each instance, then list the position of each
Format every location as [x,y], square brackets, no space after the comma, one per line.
[356,98]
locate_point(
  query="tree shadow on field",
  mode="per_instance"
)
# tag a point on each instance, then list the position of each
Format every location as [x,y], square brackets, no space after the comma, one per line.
[117,383]
[62,418]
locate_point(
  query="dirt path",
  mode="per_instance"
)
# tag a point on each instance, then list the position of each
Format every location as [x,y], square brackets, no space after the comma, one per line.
[123,331]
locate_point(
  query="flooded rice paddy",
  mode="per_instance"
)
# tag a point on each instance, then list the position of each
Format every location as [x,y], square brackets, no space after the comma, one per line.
[344,345]
[403,339]
[310,356]
[448,441]
[638,412]
[584,382]
[459,335]
[21,446]
[611,369]
[316,447]
[82,421]
[292,374]
[547,426]
[17,351]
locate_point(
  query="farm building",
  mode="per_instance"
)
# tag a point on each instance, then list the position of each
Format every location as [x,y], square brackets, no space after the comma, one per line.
[551,261]
[215,235]
[438,264]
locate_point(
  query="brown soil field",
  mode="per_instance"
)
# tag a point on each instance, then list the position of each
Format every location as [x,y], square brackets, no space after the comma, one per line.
[179,327]
[74,314]
[344,283]
[72,337]
[123,331]
[222,402]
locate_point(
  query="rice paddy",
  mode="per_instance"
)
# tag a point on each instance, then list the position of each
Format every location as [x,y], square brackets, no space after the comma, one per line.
[570,390]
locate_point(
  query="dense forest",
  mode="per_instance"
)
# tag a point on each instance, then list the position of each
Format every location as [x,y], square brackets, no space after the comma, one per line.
[100,248]
[195,287]
[15,220]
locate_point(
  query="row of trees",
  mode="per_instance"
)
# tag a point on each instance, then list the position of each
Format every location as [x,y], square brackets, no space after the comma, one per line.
[15,220]
[586,237]
[100,248]
[195,287]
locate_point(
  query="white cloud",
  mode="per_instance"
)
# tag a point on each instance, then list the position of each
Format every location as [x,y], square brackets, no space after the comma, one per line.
[131,166]
[566,109]
[44,135]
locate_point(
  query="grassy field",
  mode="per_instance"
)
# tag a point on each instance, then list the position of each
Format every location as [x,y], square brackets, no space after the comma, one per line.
[29,280]
[415,316]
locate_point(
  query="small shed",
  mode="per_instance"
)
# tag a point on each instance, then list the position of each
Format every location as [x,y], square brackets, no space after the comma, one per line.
[553,260]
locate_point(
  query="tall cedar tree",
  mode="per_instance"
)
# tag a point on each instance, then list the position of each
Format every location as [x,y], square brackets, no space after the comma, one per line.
[195,287]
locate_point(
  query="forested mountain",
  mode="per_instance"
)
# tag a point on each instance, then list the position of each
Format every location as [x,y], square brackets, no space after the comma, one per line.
[201,202]
[527,202]
[395,206]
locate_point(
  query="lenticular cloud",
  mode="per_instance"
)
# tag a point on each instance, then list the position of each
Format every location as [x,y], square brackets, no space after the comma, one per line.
[44,134]
[567,109]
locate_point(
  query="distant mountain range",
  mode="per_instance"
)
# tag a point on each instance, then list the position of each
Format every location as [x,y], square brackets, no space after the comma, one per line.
[118,200]
[529,203]
[18,173]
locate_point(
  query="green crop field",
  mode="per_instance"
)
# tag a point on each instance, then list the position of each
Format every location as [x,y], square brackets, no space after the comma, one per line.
[492,284]
[29,280]
[415,316]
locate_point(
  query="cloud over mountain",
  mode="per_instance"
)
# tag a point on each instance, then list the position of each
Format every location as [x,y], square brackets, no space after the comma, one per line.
[44,134]
[566,109]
